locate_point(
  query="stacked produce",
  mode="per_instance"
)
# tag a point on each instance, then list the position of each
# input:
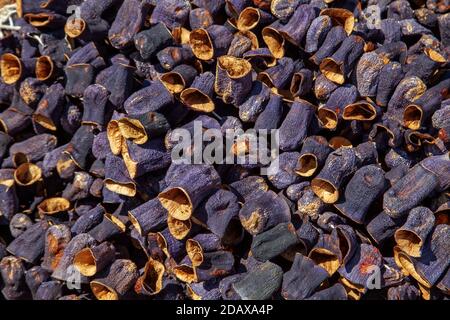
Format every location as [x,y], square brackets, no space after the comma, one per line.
[93,205]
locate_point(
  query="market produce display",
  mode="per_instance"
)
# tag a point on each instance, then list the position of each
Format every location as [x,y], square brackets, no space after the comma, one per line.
[93,95]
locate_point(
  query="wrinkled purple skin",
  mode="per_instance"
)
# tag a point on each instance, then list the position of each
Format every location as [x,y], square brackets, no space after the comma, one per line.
[200,18]
[71,118]
[260,282]
[173,13]
[268,208]
[284,9]
[34,277]
[212,6]
[343,162]
[310,205]
[420,221]
[176,248]
[104,254]
[199,181]
[302,279]
[204,83]
[51,159]
[271,117]
[273,242]
[151,41]
[151,216]
[259,58]
[302,83]
[317,33]
[30,245]
[118,80]
[121,276]
[366,185]
[248,188]
[444,284]
[400,10]
[80,146]
[444,27]
[233,90]
[323,88]
[88,220]
[348,240]
[240,46]
[436,255]
[422,67]
[335,292]
[348,54]
[394,51]
[12,272]
[226,287]
[234,7]
[14,120]
[170,57]
[221,208]
[286,175]
[409,191]
[339,99]
[255,104]
[295,191]
[59,233]
[105,230]
[230,122]
[207,290]
[440,166]
[79,187]
[367,73]
[396,173]
[297,26]
[221,39]
[391,30]
[100,146]
[51,290]
[34,148]
[383,226]
[149,157]
[410,27]
[307,233]
[115,170]
[97,169]
[129,21]
[390,76]
[79,77]
[386,134]
[95,101]
[18,224]
[6,93]
[296,125]
[329,220]
[149,99]
[361,267]
[392,275]
[88,54]
[52,104]
[431,101]
[441,117]
[279,75]
[406,291]
[331,43]
[215,264]
[317,146]
[187,72]
[31,91]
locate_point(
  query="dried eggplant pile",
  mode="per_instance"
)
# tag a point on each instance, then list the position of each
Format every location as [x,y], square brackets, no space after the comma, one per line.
[92,205]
